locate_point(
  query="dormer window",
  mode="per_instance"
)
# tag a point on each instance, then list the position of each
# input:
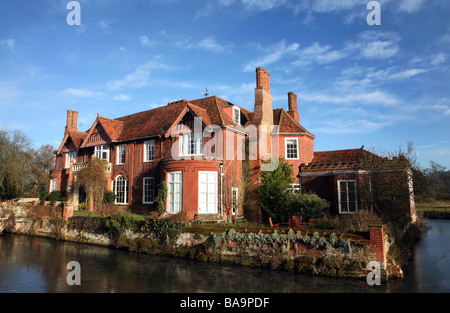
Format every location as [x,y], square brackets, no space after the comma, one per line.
[237,115]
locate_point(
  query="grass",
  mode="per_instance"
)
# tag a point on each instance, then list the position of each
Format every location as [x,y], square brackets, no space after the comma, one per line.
[435,210]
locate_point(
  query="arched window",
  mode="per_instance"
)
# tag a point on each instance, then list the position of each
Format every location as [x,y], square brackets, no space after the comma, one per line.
[121,189]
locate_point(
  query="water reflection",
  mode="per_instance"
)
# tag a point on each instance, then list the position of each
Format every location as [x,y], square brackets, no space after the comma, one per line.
[29,264]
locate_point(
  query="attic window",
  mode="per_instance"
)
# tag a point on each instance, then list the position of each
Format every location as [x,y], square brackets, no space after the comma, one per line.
[237,115]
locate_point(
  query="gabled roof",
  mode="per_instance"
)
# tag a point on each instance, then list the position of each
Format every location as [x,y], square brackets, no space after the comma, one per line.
[160,121]
[75,136]
[287,124]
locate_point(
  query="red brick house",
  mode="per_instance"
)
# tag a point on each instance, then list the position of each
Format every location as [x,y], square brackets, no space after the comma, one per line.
[198,148]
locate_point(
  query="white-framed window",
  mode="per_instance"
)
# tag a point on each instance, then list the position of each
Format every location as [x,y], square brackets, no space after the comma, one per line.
[207,192]
[71,156]
[295,188]
[121,189]
[148,190]
[102,153]
[234,200]
[174,192]
[291,148]
[149,150]
[237,115]
[120,154]
[191,144]
[347,196]
[53,184]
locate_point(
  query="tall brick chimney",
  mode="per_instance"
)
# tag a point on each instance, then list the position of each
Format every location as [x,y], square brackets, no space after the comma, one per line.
[263,114]
[293,111]
[72,120]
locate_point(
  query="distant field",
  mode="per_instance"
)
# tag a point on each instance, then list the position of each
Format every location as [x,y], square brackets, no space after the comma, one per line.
[435,210]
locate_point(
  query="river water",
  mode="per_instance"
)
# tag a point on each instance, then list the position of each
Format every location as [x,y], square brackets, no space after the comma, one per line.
[39,265]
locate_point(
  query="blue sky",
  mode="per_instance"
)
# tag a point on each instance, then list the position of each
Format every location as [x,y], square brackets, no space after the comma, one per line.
[378,86]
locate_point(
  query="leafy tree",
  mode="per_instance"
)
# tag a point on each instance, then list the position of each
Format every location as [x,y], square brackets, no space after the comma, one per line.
[92,178]
[274,185]
[14,163]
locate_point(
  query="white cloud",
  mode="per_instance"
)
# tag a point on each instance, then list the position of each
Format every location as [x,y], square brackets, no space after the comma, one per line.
[391,73]
[146,42]
[273,54]
[445,109]
[375,45]
[319,54]
[8,43]
[122,97]
[211,44]
[322,6]
[380,50]
[138,78]
[439,59]
[374,97]
[81,93]
[410,6]
[261,5]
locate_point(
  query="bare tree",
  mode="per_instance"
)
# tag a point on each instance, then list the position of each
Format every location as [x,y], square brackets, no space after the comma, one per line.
[42,161]
[435,173]
[14,163]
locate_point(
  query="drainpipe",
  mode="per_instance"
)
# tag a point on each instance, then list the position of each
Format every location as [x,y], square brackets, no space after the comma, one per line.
[221,190]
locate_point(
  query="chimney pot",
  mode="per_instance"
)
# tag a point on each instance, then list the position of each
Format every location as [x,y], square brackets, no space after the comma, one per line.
[262,79]
[72,121]
[293,110]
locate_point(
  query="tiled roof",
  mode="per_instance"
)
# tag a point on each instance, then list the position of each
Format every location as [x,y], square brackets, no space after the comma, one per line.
[352,159]
[161,120]
[76,137]
[287,124]
[113,128]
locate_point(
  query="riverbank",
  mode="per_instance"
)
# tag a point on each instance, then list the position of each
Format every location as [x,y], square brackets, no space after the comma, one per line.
[435,210]
[307,251]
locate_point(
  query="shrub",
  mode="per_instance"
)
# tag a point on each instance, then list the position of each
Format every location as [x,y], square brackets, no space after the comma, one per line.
[309,206]
[164,229]
[83,206]
[117,224]
[43,196]
[106,209]
[109,197]
[357,222]
[161,197]
[54,196]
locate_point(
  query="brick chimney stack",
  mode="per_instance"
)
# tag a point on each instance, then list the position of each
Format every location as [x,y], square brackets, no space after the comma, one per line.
[293,111]
[263,113]
[72,120]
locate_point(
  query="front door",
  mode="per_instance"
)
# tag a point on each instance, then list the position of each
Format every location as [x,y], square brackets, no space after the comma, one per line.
[207,192]
[175,192]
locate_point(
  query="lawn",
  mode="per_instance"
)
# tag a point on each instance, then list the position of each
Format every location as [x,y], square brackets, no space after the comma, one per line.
[435,210]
